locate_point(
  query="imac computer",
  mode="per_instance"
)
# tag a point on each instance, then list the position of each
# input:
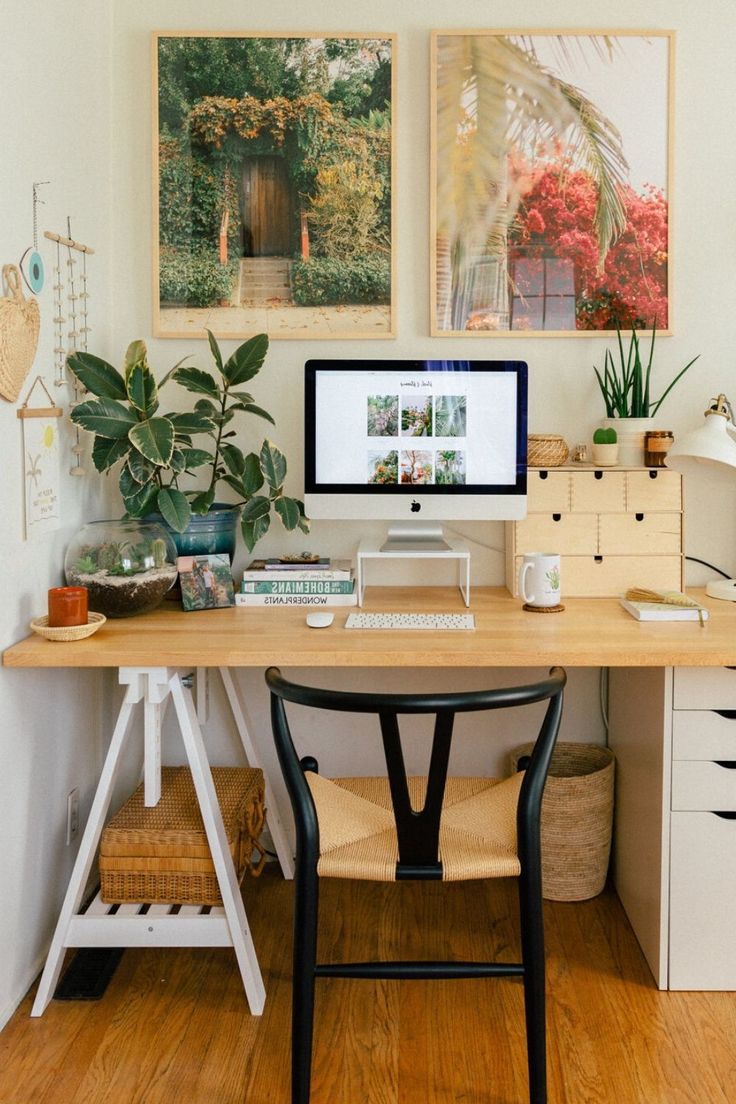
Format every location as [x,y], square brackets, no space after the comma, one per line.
[415,442]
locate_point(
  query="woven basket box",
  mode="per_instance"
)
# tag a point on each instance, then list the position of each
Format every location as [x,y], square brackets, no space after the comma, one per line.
[160,854]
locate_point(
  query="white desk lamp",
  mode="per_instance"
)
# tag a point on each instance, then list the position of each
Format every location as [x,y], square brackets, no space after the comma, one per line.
[713,443]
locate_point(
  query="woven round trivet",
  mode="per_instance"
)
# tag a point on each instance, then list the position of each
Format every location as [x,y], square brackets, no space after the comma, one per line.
[41,626]
[543,609]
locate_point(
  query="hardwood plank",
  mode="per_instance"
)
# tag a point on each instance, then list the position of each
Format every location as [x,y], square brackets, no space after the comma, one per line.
[174,1023]
[591,632]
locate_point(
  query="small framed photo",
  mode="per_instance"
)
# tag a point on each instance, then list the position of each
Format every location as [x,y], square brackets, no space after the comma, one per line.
[206,582]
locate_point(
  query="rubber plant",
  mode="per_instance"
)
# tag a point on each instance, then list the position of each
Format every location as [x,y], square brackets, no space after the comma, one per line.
[173,462]
[625,386]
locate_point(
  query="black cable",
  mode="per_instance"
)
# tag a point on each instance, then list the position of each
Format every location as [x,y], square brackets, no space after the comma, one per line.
[705,563]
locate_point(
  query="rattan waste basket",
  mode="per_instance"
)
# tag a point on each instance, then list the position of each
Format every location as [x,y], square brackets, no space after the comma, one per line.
[577,819]
[160,854]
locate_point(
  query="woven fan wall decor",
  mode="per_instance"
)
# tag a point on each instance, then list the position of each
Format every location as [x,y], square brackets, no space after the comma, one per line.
[19,326]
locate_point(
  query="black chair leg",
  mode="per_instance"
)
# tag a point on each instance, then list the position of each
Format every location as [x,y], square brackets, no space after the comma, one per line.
[532,952]
[306,895]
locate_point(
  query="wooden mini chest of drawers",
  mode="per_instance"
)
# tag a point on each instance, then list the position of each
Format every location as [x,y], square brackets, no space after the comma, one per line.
[613,528]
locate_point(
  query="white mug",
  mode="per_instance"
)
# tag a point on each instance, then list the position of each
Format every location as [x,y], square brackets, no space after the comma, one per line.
[540,573]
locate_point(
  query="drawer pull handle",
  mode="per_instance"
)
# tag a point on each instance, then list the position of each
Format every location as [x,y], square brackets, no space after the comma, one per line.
[557,517]
[639,517]
[727,714]
[543,474]
[598,474]
[724,815]
[598,559]
[727,764]
[653,474]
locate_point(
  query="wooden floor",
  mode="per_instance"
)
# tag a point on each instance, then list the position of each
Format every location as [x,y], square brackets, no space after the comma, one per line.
[173,1027]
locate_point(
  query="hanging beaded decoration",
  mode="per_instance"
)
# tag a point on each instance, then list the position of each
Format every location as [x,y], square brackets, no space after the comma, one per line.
[78,329]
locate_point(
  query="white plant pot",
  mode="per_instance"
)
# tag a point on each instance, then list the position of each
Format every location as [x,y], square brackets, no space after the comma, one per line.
[630,433]
[605,455]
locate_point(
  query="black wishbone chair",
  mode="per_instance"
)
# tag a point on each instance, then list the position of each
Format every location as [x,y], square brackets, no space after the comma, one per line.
[378,829]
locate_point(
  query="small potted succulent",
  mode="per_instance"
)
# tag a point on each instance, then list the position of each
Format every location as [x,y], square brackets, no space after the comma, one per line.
[605,447]
[160,467]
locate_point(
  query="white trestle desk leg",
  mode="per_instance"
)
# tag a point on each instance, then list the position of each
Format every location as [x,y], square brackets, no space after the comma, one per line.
[219,847]
[87,850]
[275,827]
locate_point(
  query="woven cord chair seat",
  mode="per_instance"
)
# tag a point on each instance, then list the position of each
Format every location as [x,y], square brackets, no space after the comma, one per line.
[358,834]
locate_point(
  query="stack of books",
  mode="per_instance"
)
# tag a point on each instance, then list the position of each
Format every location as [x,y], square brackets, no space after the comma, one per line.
[275,582]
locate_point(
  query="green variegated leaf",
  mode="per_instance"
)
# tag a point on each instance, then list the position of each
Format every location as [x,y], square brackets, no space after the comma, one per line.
[154,439]
[170,374]
[193,421]
[207,407]
[252,478]
[106,452]
[194,379]
[141,388]
[177,462]
[200,503]
[141,469]
[253,530]
[195,458]
[97,375]
[259,506]
[273,465]
[305,524]
[233,458]
[251,408]
[246,361]
[234,482]
[288,511]
[142,502]
[174,508]
[129,487]
[105,417]
[215,350]
[242,396]
[135,354]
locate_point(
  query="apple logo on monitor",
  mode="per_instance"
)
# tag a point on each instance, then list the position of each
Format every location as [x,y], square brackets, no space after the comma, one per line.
[415,506]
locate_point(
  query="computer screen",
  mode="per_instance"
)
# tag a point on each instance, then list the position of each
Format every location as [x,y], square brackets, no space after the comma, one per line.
[435,440]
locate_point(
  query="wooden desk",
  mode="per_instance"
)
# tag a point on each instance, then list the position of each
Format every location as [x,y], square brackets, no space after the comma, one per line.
[592,632]
[151,650]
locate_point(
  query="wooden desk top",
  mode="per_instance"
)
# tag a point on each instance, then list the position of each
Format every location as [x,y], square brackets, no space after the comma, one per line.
[590,633]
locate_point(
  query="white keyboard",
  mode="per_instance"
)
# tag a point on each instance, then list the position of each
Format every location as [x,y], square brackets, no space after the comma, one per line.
[410,621]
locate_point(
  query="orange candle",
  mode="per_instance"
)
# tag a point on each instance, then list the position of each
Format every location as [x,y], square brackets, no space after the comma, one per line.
[67,606]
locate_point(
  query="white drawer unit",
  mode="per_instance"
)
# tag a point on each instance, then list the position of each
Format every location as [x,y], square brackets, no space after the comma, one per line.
[613,529]
[674,736]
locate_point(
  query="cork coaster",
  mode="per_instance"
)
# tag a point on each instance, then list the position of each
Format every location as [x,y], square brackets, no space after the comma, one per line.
[543,609]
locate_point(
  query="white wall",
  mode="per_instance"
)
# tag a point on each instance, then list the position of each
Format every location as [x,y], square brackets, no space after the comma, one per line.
[97,153]
[55,100]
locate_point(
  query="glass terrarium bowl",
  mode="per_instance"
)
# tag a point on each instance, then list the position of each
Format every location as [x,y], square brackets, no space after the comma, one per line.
[126,566]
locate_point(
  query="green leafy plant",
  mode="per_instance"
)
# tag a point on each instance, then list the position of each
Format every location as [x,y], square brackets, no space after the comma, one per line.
[625,385]
[605,436]
[155,453]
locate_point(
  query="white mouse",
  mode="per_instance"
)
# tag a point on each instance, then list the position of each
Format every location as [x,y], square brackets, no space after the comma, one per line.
[319,619]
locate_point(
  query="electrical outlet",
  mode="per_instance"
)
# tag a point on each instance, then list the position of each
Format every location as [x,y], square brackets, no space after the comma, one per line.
[72,816]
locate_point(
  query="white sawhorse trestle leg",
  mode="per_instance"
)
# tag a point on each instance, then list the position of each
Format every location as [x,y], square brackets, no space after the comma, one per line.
[158,926]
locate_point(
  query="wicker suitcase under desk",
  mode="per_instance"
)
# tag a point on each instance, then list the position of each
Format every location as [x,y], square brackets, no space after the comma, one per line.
[160,854]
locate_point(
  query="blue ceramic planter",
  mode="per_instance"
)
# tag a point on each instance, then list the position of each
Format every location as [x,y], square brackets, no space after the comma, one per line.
[206,534]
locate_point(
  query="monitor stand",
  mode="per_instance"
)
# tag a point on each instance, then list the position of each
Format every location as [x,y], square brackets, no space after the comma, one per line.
[415,538]
[423,549]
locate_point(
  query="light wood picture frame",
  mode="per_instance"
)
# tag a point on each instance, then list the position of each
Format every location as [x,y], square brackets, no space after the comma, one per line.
[551,168]
[273,185]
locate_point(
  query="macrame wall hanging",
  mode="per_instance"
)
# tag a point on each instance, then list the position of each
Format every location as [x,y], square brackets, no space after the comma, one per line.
[71,319]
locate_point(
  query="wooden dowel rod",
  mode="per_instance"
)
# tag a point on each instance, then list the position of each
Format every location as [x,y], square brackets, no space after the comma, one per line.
[68,242]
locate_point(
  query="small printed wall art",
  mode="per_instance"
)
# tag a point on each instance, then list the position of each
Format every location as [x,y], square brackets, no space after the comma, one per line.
[41,468]
[551,166]
[273,177]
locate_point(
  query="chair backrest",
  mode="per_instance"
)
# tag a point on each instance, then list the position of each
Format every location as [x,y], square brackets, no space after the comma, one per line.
[417,830]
